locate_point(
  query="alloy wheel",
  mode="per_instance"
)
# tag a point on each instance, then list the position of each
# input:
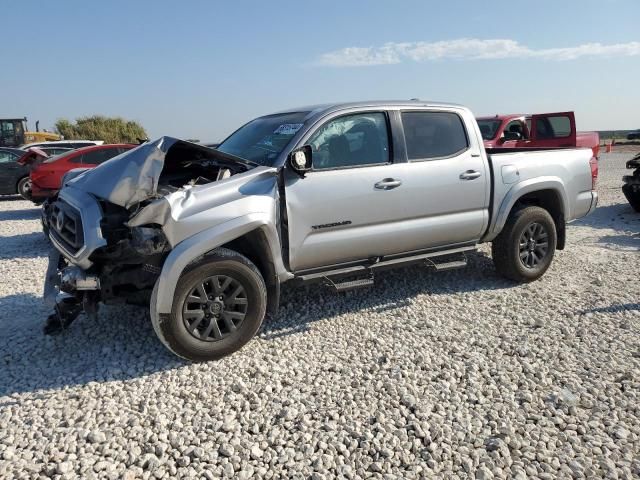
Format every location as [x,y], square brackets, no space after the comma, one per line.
[215,308]
[534,245]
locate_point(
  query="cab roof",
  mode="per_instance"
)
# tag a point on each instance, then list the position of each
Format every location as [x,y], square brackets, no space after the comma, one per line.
[323,109]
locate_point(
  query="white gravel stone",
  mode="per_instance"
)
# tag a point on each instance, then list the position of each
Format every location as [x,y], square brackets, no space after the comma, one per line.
[426,375]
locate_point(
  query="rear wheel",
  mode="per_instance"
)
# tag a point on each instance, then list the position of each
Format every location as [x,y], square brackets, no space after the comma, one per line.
[24,188]
[524,249]
[218,306]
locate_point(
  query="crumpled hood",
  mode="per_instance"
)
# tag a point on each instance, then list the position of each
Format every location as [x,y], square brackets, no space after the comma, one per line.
[133,176]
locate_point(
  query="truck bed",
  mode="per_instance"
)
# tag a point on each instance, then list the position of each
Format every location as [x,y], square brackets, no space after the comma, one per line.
[563,172]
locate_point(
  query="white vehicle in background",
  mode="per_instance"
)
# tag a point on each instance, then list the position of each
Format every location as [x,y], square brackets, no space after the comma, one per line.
[67,144]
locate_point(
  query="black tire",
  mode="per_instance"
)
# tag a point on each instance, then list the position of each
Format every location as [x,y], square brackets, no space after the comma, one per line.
[632,197]
[226,333]
[535,227]
[24,187]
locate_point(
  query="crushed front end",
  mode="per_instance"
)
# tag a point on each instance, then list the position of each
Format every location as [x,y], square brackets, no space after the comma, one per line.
[96,258]
[112,227]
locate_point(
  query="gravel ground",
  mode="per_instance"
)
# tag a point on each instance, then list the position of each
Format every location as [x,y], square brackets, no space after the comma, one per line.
[454,375]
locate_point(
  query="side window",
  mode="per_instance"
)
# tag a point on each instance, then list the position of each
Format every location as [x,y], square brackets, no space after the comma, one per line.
[433,134]
[516,126]
[351,141]
[76,159]
[6,157]
[550,127]
[560,126]
[99,156]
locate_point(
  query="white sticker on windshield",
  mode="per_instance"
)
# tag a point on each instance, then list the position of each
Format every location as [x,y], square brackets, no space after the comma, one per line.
[288,128]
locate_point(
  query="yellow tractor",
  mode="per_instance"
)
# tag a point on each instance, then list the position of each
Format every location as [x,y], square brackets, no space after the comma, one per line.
[13,133]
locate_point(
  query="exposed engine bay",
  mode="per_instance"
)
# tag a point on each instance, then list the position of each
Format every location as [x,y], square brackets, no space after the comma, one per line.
[119,256]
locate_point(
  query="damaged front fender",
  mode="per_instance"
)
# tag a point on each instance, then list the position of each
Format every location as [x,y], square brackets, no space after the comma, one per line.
[191,210]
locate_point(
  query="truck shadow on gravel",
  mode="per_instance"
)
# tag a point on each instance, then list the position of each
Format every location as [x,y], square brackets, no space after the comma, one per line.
[394,289]
[619,216]
[120,343]
[25,245]
[22,214]
[11,198]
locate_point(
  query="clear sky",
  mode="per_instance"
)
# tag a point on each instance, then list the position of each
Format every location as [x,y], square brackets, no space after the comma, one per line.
[198,69]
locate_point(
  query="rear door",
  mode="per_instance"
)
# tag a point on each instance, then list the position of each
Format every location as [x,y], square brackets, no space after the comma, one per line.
[552,130]
[446,187]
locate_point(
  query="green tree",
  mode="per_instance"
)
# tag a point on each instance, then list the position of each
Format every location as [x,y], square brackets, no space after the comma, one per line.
[98,127]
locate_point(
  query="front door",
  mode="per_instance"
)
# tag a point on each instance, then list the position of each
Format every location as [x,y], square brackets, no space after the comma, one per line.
[350,206]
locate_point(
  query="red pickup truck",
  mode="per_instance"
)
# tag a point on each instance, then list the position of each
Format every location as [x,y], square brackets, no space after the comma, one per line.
[546,130]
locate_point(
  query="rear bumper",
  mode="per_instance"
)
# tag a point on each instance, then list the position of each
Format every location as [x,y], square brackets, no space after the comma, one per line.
[39,193]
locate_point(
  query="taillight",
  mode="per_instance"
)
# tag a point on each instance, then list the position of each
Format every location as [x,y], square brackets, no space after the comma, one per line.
[594,172]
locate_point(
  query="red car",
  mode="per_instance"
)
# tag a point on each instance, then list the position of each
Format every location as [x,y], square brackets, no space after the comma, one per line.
[546,130]
[46,176]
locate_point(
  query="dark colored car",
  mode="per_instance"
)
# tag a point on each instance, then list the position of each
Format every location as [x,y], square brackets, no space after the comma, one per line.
[14,176]
[631,187]
[46,177]
[634,135]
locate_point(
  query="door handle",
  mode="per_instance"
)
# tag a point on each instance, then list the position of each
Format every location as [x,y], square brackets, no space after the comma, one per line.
[388,184]
[470,175]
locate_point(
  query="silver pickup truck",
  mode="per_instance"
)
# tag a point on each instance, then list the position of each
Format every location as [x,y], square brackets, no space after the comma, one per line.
[332,194]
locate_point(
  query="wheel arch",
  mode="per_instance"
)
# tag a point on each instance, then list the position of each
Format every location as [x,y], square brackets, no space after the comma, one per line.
[251,235]
[548,194]
[256,247]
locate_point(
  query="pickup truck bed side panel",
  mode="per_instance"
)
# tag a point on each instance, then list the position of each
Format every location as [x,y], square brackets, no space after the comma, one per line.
[517,174]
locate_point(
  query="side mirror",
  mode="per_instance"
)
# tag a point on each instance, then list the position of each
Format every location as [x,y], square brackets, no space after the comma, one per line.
[300,160]
[511,136]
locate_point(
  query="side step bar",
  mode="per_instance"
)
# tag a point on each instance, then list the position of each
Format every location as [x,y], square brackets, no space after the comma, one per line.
[451,264]
[350,284]
[450,259]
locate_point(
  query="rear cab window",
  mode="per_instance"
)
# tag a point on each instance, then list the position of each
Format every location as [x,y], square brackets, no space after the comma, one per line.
[432,135]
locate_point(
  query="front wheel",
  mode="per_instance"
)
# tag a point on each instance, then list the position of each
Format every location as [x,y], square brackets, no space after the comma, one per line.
[218,306]
[24,188]
[524,249]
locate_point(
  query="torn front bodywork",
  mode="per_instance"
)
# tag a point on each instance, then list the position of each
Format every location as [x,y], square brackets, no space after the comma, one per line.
[146,214]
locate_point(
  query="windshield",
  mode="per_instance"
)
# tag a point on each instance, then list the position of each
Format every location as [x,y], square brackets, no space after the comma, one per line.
[262,140]
[489,128]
